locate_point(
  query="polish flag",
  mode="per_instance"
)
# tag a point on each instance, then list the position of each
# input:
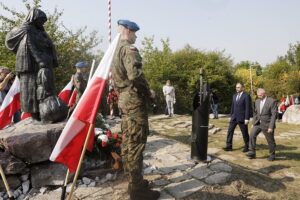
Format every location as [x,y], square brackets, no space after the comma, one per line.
[66,92]
[292,100]
[72,99]
[287,101]
[11,104]
[70,143]
[282,105]
[25,115]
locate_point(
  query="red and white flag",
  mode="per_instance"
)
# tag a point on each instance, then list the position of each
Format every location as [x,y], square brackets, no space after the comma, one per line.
[66,92]
[282,105]
[72,99]
[69,145]
[10,104]
[291,100]
[287,101]
[25,115]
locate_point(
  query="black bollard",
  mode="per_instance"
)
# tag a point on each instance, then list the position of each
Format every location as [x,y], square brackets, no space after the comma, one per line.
[200,120]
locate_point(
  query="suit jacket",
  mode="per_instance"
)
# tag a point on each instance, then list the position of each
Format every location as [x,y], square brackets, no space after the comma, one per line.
[241,110]
[266,119]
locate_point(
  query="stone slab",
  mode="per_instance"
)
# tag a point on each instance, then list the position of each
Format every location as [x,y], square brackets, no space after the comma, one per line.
[218,178]
[200,172]
[48,174]
[185,188]
[221,167]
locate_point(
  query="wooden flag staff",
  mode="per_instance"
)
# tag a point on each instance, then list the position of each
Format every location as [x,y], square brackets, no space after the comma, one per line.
[10,195]
[64,187]
[80,160]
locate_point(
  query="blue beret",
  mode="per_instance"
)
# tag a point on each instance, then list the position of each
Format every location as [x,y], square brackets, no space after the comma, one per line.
[129,24]
[80,64]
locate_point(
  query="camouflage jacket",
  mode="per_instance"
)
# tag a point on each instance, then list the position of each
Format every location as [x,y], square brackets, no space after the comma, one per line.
[127,70]
[80,83]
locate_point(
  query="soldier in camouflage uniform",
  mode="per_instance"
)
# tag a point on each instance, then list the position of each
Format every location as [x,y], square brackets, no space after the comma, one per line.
[80,82]
[133,94]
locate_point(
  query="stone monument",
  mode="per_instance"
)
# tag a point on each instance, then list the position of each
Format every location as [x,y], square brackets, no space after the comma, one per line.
[35,60]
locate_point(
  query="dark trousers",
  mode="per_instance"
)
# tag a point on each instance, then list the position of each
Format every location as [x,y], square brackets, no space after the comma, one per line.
[215,109]
[244,129]
[269,137]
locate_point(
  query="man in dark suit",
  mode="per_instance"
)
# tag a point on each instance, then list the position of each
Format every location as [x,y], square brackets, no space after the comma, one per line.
[240,115]
[264,118]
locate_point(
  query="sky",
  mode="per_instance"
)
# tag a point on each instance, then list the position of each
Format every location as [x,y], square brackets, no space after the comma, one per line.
[254,30]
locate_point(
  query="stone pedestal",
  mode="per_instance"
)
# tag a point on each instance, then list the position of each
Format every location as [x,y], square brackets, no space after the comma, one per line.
[292,115]
[31,141]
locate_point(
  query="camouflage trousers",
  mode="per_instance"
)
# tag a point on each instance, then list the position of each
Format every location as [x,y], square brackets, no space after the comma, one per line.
[135,130]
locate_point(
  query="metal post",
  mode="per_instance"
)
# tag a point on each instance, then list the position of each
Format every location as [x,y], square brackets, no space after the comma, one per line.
[251,87]
[200,121]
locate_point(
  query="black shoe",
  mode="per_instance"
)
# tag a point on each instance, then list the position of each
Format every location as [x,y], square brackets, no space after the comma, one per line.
[271,158]
[145,184]
[227,148]
[245,149]
[251,155]
[144,194]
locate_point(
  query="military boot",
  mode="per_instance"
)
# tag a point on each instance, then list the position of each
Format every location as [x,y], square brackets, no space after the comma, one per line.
[139,193]
[144,184]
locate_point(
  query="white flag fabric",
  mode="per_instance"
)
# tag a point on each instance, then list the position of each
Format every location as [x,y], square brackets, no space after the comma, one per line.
[10,104]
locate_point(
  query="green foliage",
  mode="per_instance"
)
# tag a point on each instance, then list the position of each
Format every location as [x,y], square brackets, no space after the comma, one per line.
[71,46]
[283,76]
[182,69]
[255,66]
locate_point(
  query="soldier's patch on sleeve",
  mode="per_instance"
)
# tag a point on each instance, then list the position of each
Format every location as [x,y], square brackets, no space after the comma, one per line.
[133,48]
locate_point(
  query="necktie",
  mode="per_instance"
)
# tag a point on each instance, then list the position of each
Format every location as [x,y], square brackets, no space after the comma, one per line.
[238,97]
[261,106]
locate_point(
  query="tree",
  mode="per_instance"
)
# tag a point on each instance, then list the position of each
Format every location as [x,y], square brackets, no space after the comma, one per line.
[282,77]
[182,69]
[293,55]
[71,46]
[256,67]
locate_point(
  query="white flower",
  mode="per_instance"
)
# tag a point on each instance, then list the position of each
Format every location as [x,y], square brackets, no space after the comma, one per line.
[103,138]
[98,131]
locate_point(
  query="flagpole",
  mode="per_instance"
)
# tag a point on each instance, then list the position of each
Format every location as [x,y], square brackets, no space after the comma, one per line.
[80,160]
[10,195]
[251,85]
[92,70]
[63,192]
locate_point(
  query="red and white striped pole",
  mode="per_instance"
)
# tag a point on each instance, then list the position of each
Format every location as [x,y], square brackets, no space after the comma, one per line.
[110,101]
[109,21]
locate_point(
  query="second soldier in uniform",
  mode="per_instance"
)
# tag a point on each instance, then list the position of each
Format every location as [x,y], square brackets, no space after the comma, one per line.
[133,93]
[80,83]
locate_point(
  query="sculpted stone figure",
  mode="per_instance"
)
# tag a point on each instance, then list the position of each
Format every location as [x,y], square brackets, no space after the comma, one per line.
[35,60]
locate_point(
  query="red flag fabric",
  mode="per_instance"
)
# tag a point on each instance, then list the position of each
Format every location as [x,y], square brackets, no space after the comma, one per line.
[72,99]
[25,115]
[66,92]
[291,100]
[10,104]
[282,105]
[69,145]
